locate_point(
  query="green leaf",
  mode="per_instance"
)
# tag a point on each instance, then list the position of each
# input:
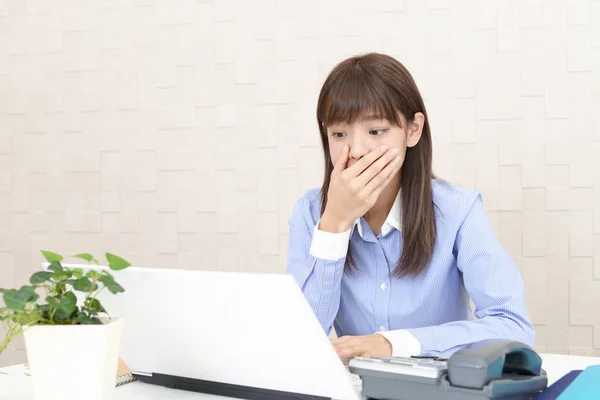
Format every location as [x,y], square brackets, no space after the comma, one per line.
[52,304]
[17,299]
[62,276]
[40,277]
[44,309]
[116,263]
[87,257]
[95,305]
[93,275]
[111,285]
[29,293]
[83,284]
[51,257]
[105,272]
[78,273]
[86,320]
[66,307]
[55,266]
[60,289]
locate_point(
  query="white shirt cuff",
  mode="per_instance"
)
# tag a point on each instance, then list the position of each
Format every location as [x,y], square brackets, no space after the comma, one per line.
[329,246]
[404,344]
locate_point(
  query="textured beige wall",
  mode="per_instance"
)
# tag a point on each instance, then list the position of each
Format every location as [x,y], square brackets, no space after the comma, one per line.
[179,133]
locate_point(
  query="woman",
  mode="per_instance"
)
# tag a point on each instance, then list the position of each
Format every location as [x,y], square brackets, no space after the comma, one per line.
[384,252]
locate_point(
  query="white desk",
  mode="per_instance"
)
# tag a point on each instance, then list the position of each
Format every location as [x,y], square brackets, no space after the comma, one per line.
[14,384]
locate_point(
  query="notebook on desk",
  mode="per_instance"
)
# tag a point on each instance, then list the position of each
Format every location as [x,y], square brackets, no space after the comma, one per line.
[557,388]
[584,386]
[124,373]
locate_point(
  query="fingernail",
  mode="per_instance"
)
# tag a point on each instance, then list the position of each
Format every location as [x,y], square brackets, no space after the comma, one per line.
[397,159]
[394,151]
[382,148]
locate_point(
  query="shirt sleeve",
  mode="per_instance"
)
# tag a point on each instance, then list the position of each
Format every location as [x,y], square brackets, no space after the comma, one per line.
[329,246]
[404,344]
[495,286]
[318,268]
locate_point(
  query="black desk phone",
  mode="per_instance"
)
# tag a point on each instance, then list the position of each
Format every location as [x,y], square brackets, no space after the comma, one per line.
[488,369]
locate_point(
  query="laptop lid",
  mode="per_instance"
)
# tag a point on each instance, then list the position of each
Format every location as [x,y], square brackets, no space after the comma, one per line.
[245,329]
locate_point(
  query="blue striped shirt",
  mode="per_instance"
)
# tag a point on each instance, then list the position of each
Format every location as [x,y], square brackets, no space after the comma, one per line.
[468,263]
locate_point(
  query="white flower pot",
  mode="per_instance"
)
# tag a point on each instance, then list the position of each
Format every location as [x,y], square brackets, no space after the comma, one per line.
[69,362]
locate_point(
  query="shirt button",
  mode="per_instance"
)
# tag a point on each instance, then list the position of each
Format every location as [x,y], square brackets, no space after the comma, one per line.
[383,286]
[382,328]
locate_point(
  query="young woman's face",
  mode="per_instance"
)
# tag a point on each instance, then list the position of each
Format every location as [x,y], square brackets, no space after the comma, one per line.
[367,134]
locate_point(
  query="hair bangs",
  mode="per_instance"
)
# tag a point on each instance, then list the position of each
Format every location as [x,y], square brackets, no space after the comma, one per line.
[356,95]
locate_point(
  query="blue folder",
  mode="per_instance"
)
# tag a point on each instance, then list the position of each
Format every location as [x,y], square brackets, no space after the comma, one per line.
[555,390]
[586,386]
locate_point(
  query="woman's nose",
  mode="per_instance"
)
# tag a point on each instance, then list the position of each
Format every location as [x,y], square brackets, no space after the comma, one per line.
[358,149]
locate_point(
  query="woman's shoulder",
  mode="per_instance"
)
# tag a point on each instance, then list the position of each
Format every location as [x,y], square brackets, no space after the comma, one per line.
[308,206]
[452,199]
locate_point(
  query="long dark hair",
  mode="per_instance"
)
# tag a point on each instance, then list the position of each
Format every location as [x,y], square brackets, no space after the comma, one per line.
[380,84]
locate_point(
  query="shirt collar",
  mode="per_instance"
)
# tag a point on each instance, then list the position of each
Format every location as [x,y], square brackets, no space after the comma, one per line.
[393,220]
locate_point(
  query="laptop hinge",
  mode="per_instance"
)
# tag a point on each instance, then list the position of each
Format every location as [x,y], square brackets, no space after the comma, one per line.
[222,389]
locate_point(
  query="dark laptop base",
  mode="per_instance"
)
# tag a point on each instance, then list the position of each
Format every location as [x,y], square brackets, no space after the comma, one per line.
[221,389]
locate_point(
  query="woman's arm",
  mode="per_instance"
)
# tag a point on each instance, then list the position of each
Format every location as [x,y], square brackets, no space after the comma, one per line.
[494,284]
[316,260]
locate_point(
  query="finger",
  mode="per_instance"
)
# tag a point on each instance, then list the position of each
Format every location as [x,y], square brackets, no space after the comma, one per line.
[350,351]
[348,342]
[342,160]
[341,340]
[374,169]
[384,176]
[338,346]
[365,161]
[380,182]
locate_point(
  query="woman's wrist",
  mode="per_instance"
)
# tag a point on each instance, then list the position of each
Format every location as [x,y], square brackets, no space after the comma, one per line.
[333,225]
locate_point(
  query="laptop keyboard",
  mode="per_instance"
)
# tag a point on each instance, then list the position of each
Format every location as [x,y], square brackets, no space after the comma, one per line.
[356,381]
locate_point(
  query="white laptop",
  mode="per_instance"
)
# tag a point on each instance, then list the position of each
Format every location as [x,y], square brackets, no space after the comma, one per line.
[240,335]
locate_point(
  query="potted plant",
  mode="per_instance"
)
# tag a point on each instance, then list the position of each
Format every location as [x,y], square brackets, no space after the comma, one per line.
[72,344]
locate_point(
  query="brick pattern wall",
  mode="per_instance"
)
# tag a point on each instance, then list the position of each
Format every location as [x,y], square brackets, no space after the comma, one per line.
[180,133]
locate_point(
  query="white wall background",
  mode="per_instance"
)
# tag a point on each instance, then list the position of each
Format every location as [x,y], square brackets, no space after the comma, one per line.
[180,133]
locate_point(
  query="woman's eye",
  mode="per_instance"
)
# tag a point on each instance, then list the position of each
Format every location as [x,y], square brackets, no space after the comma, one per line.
[377,132]
[338,134]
